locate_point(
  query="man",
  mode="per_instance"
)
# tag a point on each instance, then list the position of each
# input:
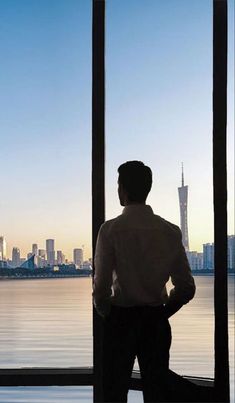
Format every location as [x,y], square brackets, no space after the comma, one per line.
[136,254]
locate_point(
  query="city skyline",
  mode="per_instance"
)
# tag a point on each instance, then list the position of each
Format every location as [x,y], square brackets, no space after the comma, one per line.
[50,255]
[42,258]
[158,110]
[78,253]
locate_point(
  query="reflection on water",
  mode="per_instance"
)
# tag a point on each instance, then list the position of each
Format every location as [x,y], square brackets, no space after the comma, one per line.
[49,323]
[46,323]
[52,394]
[56,394]
[192,349]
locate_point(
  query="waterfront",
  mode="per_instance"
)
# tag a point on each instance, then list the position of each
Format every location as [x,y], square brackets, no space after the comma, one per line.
[48,322]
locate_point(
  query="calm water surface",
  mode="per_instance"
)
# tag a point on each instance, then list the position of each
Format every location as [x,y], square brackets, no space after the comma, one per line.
[49,323]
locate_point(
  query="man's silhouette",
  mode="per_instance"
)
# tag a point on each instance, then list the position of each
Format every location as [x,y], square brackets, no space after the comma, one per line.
[136,254]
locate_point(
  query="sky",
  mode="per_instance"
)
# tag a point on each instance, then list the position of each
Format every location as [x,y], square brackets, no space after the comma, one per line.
[158,110]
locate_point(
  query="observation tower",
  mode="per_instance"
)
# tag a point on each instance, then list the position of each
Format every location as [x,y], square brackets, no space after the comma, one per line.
[183,200]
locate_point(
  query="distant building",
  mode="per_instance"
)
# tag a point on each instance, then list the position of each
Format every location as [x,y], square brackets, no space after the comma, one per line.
[16,257]
[67,267]
[35,252]
[195,260]
[183,200]
[42,253]
[3,248]
[208,256]
[50,248]
[231,252]
[200,261]
[78,257]
[35,249]
[41,260]
[29,263]
[86,266]
[3,264]
[60,257]
[29,255]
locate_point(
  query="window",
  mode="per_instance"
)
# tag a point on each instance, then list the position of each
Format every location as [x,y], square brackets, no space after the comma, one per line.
[46,209]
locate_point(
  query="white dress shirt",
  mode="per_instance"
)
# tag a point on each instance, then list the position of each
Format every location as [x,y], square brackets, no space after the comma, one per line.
[136,254]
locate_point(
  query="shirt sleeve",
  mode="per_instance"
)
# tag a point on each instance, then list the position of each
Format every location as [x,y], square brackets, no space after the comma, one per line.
[181,277]
[104,261]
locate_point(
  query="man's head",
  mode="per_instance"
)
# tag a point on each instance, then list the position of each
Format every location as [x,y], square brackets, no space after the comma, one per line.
[135,182]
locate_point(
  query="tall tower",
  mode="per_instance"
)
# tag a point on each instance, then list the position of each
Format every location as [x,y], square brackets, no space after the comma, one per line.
[183,199]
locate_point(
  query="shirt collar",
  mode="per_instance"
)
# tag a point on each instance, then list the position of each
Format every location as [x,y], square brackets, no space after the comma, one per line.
[137,208]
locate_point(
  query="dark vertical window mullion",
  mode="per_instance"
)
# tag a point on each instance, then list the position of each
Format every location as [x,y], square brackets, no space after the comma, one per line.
[220,198]
[98,165]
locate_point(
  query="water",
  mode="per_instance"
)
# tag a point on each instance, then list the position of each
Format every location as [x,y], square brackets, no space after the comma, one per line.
[49,323]
[46,323]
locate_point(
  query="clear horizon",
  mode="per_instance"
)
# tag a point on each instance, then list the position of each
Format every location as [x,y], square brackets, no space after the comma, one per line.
[79,247]
[158,110]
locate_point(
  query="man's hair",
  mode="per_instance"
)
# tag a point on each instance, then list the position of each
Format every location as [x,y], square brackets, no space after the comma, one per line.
[136,179]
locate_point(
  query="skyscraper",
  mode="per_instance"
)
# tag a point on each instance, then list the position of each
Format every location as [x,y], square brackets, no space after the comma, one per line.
[195,260]
[42,253]
[183,200]
[208,256]
[35,253]
[16,257]
[60,257]
[50,247]
[3,248]
[41,260]
[231,251]
[35,249]
[78,257]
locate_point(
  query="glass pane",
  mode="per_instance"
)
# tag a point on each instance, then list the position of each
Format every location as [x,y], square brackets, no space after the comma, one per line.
[72,394]
[45,244]
[46,322]
[159,111]
[50,394]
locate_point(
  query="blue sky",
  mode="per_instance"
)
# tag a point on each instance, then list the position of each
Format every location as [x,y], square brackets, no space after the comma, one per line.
[158,109]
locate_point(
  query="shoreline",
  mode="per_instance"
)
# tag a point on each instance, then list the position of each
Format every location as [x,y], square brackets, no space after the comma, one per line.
[5,278]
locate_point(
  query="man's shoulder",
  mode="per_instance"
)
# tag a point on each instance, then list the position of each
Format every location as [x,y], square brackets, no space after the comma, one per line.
[163,225]
[167,225]
[108,225]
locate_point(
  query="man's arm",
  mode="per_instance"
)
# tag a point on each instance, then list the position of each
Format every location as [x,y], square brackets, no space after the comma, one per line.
[104,260]
[182,279]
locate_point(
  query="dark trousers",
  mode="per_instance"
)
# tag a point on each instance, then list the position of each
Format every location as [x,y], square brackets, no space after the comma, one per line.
[142,332]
